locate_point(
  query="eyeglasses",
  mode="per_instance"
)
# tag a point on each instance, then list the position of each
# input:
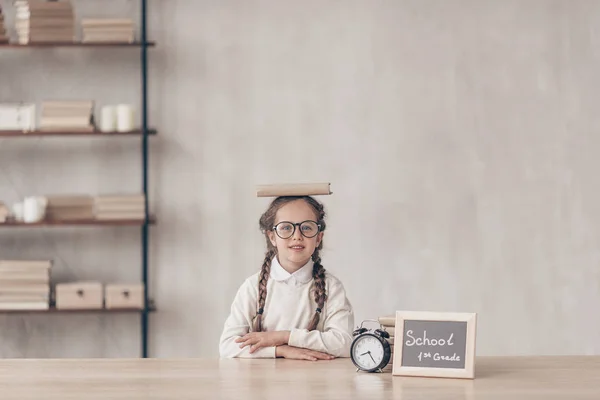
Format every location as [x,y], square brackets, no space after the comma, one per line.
[286,230]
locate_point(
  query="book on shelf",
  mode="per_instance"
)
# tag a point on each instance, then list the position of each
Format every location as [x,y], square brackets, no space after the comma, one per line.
[25,305]
[107,30]
[25,284]
[24,276]
[44,21]
[64,128]
[87,208]
[119,207]
[24,288]
[74,116]
[25,265]
[4,212]
[101,208]
[69,207]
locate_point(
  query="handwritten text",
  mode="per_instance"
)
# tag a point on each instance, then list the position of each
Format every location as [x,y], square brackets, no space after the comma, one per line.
[425,341]
[438,357]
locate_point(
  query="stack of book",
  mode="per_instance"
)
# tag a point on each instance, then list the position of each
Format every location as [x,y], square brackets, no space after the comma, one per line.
[75,116]
[3,212]
[25,284]
[39,21]
[389,324]
[3,36]
[107,30]
[17,117]
[120,207]
[70,208]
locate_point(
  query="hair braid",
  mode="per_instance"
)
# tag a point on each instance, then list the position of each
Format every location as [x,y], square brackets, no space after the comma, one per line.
[262,289]
[320,291]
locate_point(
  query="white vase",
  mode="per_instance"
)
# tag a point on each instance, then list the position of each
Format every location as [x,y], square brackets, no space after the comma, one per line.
[125,118]
[108,119]
[34,209]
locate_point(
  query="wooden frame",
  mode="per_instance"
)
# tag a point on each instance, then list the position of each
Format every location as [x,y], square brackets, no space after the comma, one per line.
[467,372]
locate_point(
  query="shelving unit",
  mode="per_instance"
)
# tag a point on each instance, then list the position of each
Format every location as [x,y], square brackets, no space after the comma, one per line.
[143,133]
[74,44]
[73,133]
[88,222]
[53,310]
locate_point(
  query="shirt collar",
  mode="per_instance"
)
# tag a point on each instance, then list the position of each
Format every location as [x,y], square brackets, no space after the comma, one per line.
[303,275]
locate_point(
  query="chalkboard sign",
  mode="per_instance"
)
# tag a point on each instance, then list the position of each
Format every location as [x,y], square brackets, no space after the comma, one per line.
[435,344]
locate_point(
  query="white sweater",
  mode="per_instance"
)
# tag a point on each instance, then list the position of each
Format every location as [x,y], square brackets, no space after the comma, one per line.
[290,305]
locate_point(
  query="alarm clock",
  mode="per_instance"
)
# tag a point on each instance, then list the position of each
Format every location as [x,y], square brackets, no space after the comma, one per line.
[370,350]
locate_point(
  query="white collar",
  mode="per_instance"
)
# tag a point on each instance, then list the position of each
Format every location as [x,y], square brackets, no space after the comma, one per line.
[303,275]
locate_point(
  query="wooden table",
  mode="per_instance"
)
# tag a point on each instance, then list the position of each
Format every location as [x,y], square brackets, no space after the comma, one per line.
[496,378]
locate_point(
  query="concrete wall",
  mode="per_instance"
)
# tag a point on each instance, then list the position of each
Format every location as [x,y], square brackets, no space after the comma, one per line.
[460,138]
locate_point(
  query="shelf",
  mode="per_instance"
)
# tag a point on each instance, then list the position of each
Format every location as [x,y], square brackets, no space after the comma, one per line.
[89,222]
[142,46]
[54,310]
[73,44]
[38,133]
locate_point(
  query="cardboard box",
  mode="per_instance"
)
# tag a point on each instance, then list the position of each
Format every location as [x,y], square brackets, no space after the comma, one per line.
[124,296]
[79,295]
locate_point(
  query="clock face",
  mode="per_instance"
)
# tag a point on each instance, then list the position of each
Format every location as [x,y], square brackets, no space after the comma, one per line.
[368,352]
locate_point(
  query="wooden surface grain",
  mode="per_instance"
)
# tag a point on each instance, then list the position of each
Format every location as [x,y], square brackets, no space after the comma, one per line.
[512,378]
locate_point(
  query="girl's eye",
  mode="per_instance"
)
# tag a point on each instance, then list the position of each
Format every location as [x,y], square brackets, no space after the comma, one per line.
[309,227]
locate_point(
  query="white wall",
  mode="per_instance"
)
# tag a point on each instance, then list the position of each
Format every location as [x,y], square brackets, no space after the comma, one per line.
[459,137]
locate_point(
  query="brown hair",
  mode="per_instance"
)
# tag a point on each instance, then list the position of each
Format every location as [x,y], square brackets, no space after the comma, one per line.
[266,222]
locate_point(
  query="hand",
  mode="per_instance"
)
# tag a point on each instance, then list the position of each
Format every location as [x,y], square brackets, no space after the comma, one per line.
[298,353]
[257,340]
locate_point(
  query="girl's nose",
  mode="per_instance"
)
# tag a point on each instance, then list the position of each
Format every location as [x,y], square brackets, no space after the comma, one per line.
[297,234]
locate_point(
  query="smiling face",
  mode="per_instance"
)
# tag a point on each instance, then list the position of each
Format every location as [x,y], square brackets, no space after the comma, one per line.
[294,252]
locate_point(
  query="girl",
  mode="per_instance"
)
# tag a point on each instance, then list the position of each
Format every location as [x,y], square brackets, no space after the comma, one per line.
[292,308]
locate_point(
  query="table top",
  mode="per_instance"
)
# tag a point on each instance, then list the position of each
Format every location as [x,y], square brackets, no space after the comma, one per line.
[496,378]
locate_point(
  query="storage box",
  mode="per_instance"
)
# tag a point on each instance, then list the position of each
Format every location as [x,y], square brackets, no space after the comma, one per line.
[79,295]
[124,295]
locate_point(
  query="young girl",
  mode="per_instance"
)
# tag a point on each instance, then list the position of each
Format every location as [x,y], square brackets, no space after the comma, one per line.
[292,308]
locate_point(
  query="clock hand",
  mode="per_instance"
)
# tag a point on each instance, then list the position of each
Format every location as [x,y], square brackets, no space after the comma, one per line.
[371,357]
[365,353]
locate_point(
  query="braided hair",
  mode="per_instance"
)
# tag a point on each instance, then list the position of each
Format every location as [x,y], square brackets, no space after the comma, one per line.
[266,222]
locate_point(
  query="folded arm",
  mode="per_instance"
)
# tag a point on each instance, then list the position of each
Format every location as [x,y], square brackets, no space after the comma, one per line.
[238,324]
[338,323]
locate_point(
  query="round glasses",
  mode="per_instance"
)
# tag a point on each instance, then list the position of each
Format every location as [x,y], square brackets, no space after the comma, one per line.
[286,230]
